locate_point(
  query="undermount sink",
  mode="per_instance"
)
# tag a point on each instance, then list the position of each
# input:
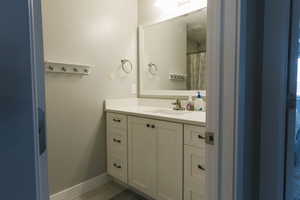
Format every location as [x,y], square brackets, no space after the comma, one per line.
[169,112]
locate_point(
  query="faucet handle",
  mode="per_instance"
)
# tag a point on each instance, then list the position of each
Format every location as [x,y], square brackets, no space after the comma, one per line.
[178,105]
[177,102]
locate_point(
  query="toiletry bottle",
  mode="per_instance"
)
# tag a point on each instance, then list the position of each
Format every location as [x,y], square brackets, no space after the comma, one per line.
[199,102]
[204,104]
[190,105]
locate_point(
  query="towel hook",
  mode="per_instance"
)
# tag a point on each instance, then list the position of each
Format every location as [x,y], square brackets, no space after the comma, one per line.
[153,69]
[126,66]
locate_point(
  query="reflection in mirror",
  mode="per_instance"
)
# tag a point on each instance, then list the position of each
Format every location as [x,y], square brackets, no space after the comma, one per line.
[173,53]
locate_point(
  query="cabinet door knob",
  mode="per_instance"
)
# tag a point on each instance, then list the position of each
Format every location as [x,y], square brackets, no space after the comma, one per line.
[117,166]
[148,125]
[201,168]
[117,141]
[117,120]
[201,137]
[153,126]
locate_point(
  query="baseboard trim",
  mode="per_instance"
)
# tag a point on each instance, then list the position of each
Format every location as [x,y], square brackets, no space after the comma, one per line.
[82,188]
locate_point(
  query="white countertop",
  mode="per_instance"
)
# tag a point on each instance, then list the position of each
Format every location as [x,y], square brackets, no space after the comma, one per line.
[137,107]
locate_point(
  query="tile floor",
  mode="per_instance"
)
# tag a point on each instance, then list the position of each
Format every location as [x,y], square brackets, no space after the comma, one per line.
[128,195]
[105,192]
[111,191]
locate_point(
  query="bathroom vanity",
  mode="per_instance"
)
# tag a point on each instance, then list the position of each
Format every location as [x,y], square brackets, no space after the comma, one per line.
[152,148]
[156,150]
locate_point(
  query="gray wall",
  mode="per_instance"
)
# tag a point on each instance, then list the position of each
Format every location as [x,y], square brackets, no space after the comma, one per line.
[95,32]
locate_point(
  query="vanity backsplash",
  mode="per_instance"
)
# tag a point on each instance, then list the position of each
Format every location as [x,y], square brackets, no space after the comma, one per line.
[162,103]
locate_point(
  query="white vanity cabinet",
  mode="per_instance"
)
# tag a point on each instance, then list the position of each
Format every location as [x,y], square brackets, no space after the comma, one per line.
[155,157]
[164,160]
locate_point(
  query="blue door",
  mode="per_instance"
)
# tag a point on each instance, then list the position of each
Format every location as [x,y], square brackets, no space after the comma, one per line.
[23,149]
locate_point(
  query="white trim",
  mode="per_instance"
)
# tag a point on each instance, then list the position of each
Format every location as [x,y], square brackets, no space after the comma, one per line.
[224,117]
[229,103]
[82,188]
[171,93]
[214,35]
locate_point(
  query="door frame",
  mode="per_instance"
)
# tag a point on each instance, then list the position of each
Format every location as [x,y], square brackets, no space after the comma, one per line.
[226,97]
[292,94]
[274,98]
[38,92]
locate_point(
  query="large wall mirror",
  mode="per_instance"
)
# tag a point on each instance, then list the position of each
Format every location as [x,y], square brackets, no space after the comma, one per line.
[172,56]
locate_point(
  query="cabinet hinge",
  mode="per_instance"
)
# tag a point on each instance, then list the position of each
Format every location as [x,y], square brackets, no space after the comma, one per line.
[292,102]
[210,138]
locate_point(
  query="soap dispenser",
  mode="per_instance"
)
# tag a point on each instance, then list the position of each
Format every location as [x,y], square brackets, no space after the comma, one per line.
[199,103]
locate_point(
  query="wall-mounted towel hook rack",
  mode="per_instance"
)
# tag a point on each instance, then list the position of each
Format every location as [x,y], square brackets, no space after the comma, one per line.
[55,67]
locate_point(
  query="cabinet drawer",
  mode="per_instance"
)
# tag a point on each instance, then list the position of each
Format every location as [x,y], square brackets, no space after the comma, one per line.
[194,136]
[192,194]
[194,168]
[117,121]
[117,167]
[117,141]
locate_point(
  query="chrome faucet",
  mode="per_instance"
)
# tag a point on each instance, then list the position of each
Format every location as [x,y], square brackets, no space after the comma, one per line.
[178,105]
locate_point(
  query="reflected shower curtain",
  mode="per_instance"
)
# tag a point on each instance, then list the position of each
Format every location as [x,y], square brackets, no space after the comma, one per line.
[196,67]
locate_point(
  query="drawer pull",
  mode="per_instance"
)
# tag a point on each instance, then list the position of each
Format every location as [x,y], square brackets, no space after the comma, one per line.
[117,120]
[201,168]
[117,166]
[117,141]
[201,137]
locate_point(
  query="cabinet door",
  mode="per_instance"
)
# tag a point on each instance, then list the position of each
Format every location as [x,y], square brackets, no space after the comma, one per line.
[142,155]
[192,194]
[169,160]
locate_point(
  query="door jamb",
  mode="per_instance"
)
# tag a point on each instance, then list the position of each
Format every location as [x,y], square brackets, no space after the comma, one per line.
[225,97]
[292,98]
[274,98]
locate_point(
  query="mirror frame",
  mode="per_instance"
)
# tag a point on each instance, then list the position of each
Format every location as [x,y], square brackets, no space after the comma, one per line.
[163,94]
